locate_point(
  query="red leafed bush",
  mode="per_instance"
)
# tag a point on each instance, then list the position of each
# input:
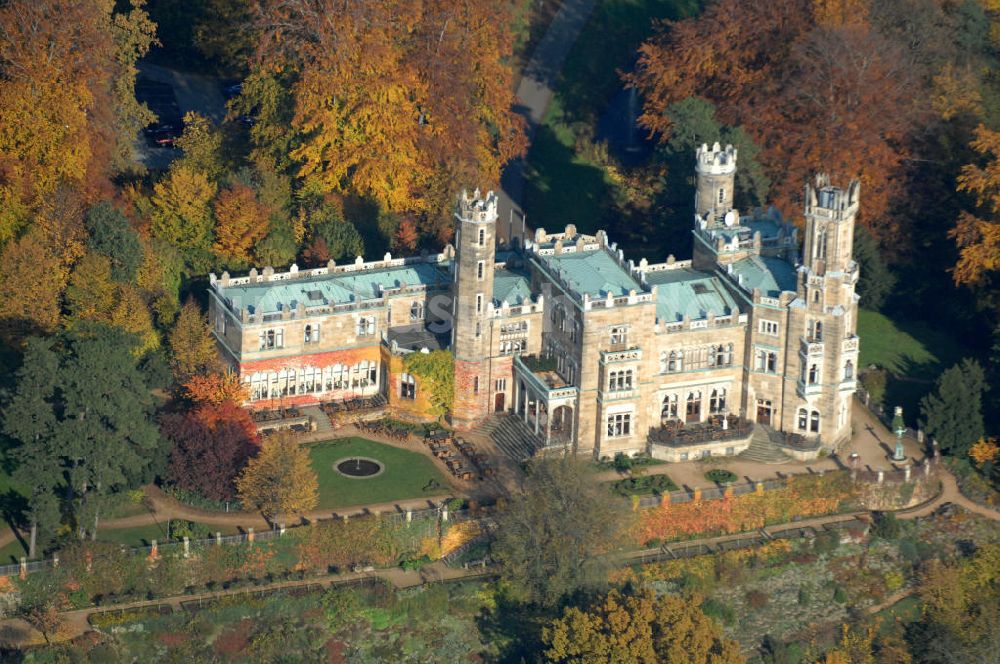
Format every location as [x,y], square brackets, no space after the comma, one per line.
[211,444]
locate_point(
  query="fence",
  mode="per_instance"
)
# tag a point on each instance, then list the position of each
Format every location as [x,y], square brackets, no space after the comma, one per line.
[409,516]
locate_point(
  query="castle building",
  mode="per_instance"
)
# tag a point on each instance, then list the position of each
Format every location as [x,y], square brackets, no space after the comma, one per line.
[585,349]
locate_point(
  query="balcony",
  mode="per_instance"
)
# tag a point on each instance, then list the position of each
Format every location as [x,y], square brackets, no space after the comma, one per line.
[807,389]
[541,373]
[810,347]
[678,434]
[851,344]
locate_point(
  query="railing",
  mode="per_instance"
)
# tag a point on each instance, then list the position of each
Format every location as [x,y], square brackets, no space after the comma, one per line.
[810,347]
[679,435]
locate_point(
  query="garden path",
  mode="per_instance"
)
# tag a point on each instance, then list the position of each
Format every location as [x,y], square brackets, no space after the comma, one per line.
[534,92]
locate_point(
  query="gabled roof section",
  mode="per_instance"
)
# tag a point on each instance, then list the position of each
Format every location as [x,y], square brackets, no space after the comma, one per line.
[510,286]
[267,297]
[595,273]
[771,275]
[684,292]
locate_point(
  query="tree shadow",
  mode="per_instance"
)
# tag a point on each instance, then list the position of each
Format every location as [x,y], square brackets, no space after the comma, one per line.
[560,188]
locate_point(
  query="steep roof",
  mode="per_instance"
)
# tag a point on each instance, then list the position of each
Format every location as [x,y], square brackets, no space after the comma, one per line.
[338,288]
[771,275]
[511,287]
[685,292]
[595,273]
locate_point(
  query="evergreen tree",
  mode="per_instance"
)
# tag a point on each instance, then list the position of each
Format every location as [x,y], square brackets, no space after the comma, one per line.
[30,420]
[875,281]
[82,414]
[112,236]
[952,414]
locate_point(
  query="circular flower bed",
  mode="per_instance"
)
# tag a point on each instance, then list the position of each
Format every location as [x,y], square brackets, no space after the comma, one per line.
[721,476]
[359,467]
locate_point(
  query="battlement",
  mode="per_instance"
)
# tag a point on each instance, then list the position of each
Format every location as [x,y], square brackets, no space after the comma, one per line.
[825,200]
[476,208]
[717,160]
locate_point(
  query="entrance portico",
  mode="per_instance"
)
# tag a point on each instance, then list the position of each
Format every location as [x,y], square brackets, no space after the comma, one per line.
[546,404]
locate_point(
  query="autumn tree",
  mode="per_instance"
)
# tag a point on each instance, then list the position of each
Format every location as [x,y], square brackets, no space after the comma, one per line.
[192,347]
[215,388]
[90,293]
[201,147]
[32,279]
[406,237]
[280,480]
[387,94]
[68,113]
[241,221]
[638,628]
[182,211]
[554,534]
[978,236]
[211,445]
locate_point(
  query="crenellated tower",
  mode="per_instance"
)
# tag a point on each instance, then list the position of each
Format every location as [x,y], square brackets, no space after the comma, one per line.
[716,174]
[475,240]
[823,318]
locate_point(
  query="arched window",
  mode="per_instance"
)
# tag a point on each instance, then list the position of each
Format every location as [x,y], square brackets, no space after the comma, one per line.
[814,422]
[803,419]
[849,370]
[813,374]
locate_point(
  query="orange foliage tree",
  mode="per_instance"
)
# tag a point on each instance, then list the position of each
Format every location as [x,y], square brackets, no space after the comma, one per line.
[810,81]
[241,220]
[215,388]
[68,113]
[391,95]
[978,237]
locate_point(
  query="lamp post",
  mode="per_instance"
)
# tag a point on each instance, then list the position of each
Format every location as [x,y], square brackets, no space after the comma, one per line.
[899,428]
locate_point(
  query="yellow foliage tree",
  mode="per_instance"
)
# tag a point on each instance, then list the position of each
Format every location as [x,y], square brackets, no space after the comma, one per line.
[182,209]
[978,238]
[131,314]
[90,293]
[215,388]
[240,222]
[32,279]
[391,94]
[280,480]
[639,628]
[984,451]
[191,344]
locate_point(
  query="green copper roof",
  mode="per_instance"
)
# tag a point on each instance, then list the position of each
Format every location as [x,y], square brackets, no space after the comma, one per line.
[340,288]
[685,292]
[770,275]
[596,273]
[511,287]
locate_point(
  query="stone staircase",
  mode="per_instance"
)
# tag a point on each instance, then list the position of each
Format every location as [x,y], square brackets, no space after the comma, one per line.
[763,449]
[510,435]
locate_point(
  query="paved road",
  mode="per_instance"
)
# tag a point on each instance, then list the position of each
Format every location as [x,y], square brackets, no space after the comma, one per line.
[534,93]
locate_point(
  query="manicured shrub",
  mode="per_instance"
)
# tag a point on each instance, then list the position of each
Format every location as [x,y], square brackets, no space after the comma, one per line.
[721,476]
[840,595]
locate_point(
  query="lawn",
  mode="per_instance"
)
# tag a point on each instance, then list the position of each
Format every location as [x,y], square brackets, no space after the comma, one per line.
[913,353]
[562,185]
[405,475]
